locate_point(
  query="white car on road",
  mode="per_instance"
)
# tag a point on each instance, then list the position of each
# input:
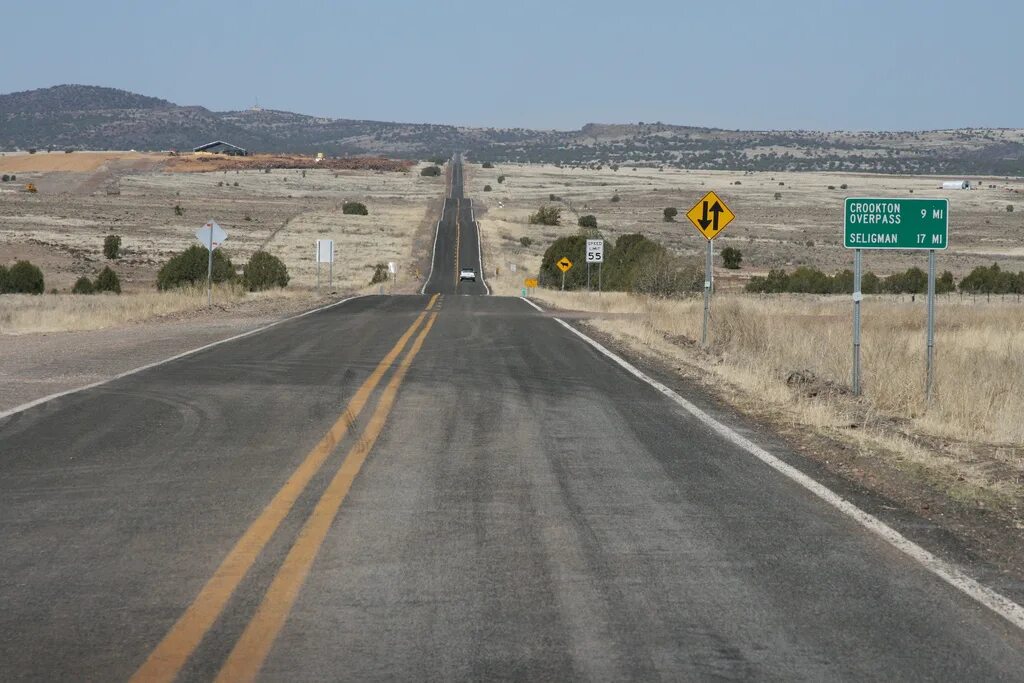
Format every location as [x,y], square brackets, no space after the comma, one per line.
[467,274]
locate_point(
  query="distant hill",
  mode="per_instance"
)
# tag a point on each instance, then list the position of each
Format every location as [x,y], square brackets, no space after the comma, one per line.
[91,117]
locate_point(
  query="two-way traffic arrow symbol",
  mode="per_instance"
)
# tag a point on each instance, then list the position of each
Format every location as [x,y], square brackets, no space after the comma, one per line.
[716,209]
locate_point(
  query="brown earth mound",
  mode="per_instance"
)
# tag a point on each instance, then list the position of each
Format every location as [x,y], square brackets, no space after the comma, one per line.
[199,163]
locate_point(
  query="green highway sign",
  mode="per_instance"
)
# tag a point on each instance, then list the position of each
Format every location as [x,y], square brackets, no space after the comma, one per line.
[887,223]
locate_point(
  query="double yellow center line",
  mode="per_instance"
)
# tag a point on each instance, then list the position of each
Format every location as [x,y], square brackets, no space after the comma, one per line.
[249,653]
[458,237]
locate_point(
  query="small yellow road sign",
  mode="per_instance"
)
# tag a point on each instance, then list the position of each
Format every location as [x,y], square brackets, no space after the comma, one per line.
[710,216]
[530,282]
[564,264]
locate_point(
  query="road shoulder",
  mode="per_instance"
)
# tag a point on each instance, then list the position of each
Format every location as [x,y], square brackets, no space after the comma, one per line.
[957,534]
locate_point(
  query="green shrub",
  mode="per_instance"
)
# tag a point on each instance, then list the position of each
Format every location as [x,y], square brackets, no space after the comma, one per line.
[112,246]
[5,178]
[4,279]
[616,199]
[380,273]
[190,266]
[525,241]
[588,221]
[178,211]
[83,285]
[778,195]
[501,179]
[488,164]
[732,258]
[108,281]
[1009,208]
[24,278]
[547,215]
[354,209]
[554,197]
[670,214]
[431,171]
[487,188]
[264,271]
[665,275]
[992,280]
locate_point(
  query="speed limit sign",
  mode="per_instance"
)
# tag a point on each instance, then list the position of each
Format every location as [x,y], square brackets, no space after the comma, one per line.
[595,251]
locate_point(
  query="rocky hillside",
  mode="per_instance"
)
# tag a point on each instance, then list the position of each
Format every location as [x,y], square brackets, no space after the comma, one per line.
[90,117]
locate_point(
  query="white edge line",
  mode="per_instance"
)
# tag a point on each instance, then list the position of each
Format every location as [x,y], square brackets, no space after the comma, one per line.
[479,247]
[433,252]
[39,401]
[950,573]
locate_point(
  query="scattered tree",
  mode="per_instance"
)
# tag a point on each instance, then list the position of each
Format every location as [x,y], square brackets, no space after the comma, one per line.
[24,278]
[83,285]
[264,271]
[525,241]
[190,268]
[112,247]
[488,164]
[178,211]
[732,258]
[354,209]
[670,214]
[380,273]
[487,188]
[547,215]
[108,281]
[431,171]
[501,179]
[588,221]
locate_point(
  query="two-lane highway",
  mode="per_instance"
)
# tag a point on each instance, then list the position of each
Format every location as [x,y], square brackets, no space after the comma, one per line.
[439,487]
[456,244]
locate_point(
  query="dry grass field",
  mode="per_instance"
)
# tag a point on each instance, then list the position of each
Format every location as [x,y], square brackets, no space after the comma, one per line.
[156,213]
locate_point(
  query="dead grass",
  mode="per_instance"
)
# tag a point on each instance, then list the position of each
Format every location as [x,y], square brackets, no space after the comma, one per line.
[968,441]
[25,314]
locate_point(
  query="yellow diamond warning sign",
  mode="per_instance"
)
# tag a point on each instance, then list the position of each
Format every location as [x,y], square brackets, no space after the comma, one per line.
[710,215]
[564,264]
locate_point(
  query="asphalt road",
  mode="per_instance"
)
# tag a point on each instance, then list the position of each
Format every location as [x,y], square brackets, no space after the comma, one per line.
[438,487]
[456,245]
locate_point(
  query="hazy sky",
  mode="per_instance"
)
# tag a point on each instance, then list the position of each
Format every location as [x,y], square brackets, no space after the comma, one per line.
[821,64]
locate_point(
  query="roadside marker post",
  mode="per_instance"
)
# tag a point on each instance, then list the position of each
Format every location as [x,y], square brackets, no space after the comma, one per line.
[895,223]
[710,216]
[564,265]
[325,254]
[210,236]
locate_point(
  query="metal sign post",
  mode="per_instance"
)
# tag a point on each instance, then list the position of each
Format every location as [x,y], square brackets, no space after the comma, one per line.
[211,236]
[710,216]
[857,298]
[930,362]
[595,254]
[564,265]
[895,223]
[325,254]
[708,269]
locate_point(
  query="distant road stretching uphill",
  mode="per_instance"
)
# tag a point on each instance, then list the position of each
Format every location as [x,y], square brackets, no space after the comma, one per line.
[440,487]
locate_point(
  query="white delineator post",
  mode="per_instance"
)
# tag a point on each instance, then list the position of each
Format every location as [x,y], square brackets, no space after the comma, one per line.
[209,268]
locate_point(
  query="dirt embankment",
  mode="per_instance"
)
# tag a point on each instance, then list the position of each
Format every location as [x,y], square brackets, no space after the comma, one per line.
[198,163]
[75,162]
